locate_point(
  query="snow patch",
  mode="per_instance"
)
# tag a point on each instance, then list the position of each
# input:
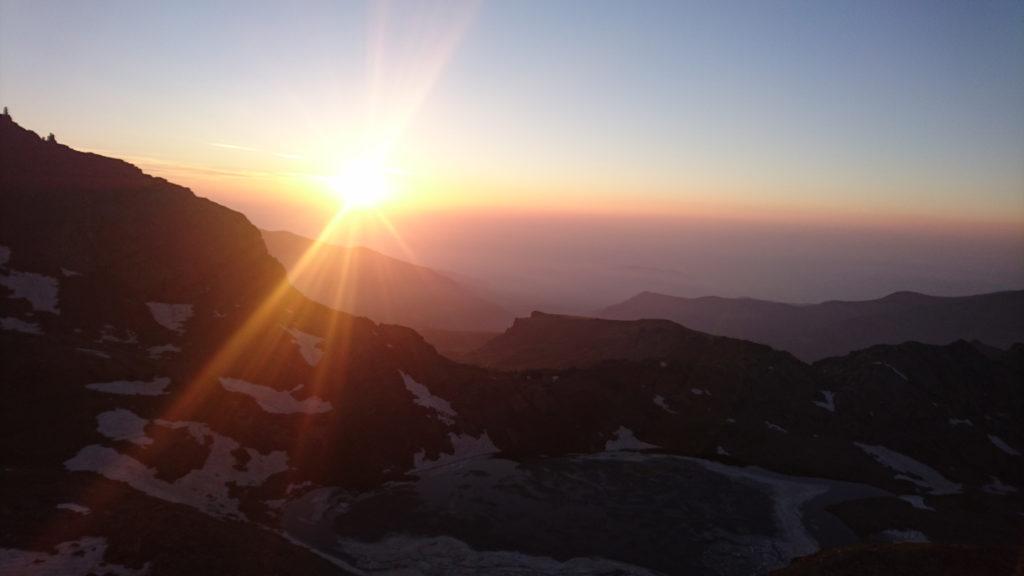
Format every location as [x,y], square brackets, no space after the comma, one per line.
[722,451]
[625,440]
[309,345]
[960,421]
[911,470]
[123,424]
[463,446]
[917,502]
[207,489]
[40,290]
[16,325]
[96,353]
[829,403]
[775,427]
[170,316]
[659,401]
[999,443]
[301,486]
[72,507]
[700,392]
[107,334]
[73,558]
[893,368]
[155,387]
[276,401]
[422,396]
[69,273]
[156,352]
[790,496]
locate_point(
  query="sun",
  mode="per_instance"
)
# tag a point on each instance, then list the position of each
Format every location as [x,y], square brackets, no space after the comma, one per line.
[363,184]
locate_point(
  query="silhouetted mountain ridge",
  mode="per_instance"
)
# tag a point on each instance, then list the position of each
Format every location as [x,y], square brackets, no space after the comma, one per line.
[815,331]
[554,341]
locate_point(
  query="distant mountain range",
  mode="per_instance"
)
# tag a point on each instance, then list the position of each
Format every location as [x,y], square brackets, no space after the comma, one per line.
[364,282]
[458,319]
[172,405]
[816,331]
[552,341]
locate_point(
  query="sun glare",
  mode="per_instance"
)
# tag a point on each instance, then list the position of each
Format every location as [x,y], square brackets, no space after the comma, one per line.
[363,184]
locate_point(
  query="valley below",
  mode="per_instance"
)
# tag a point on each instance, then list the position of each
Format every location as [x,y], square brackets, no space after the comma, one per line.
[614,512]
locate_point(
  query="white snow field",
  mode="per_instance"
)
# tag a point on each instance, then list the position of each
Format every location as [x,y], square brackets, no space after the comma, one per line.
[911,470]
[155,387]
[170,316]
[422,396]
[207,489]
[276,401]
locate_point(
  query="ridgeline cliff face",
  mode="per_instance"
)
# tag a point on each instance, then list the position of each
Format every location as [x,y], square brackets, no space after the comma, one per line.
[172,405]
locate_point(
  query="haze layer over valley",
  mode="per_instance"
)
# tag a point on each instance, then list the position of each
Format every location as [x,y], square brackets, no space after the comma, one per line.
[581,263]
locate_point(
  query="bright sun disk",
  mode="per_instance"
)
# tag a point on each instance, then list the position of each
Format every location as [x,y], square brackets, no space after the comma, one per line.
[362,184]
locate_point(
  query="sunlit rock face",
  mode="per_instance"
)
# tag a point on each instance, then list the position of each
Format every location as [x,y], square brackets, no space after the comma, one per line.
[159,371]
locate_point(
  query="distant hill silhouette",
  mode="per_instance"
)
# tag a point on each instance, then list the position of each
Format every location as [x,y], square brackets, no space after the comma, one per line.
[816,331]
[554,341]
[456,344]
[367,283]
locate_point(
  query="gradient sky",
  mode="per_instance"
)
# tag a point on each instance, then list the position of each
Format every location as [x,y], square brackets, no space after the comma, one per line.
[902,115]
[860,107]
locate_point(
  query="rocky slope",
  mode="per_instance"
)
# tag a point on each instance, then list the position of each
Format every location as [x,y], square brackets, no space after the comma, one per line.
[367,283]
[816,331]
[157,367]
[910,559]
[172,405]
[927,400]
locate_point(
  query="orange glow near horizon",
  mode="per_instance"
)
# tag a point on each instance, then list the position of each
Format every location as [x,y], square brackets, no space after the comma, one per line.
[360,181]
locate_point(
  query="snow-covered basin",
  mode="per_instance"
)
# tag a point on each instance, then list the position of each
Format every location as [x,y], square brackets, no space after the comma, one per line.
[632,512]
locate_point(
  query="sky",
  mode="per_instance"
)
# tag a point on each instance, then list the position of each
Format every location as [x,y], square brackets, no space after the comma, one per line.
[788,117]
